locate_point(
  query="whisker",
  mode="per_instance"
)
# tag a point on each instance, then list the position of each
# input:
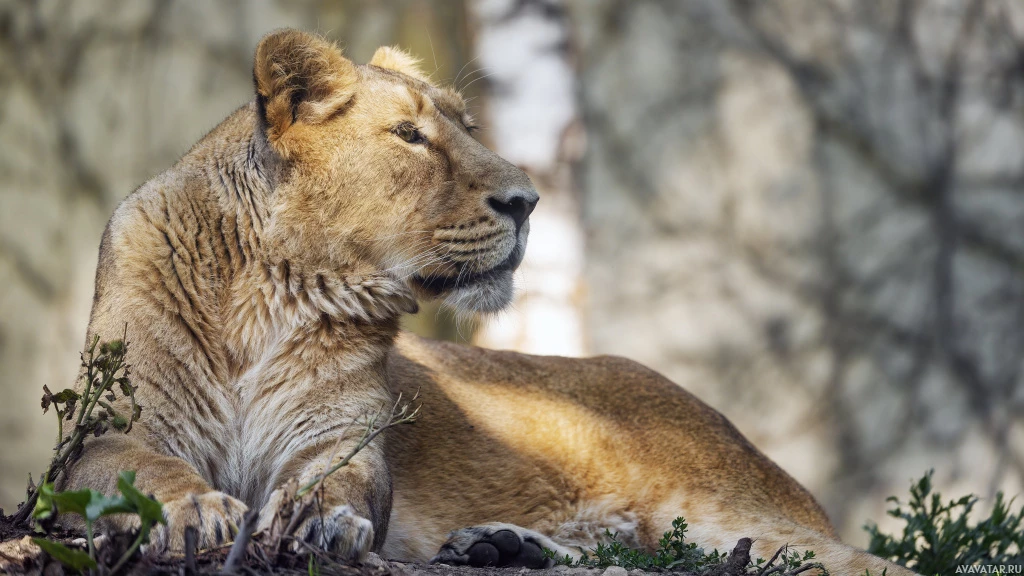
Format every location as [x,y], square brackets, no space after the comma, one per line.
[474,71]
[397,234]
[456,81]
[477,79]
[436,67]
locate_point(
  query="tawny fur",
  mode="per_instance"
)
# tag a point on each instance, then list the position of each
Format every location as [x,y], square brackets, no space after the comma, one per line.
[261,280]
[394,58]
[570,447]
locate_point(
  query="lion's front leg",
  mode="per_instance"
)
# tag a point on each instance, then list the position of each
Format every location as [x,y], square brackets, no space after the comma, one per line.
[350,509]
[188,500]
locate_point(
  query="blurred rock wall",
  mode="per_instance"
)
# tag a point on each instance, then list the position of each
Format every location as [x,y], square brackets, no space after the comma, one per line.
[811,214]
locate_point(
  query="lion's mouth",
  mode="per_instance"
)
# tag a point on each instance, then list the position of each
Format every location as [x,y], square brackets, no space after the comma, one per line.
[441,284]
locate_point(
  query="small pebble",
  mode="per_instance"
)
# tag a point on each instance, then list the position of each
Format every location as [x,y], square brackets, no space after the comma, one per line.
[374,560]
[615,571]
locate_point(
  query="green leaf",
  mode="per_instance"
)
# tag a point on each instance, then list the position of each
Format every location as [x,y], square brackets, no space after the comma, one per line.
[73,559]
[44,503]
[65,395]
[120,423]
[101,505]
[150,511]
[87,503]
[73,502]
[116,347]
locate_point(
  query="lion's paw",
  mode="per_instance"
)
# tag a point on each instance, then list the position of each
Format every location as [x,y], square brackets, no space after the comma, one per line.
[497,545]
[340,531]
[215,516]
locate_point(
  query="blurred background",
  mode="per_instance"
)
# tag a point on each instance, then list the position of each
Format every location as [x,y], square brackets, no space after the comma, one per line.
[809,213]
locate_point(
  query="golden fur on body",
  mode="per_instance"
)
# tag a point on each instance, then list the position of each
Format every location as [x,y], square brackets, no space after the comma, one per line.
[261,280]
[570,447]
[262,277]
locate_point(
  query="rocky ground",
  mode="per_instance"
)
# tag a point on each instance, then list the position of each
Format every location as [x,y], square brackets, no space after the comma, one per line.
[18,555]
[443,570]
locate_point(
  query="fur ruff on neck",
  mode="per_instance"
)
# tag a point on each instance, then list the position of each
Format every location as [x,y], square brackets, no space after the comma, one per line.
[341,297]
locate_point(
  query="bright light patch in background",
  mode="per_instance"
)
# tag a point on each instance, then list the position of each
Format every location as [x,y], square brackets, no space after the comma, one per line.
[521,50]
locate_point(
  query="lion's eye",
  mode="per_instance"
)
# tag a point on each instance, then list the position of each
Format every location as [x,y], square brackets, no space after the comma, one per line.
[409,133]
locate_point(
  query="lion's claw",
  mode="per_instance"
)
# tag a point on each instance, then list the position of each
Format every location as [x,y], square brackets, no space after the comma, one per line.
[215,516]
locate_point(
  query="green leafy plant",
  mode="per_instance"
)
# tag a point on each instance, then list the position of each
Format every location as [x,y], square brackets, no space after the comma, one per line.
[673,553]
[105,374]
[91,506]
[676,554]
[939,537]
[789,561]
[73,559]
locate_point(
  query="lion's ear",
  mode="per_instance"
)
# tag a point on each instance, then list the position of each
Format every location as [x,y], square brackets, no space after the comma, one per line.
[394,58]
[300,77]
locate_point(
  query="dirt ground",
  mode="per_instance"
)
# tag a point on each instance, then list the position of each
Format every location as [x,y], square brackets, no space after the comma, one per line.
[19,556]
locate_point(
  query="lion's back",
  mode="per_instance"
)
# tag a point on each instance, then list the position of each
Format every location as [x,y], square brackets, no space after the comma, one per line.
[582,426]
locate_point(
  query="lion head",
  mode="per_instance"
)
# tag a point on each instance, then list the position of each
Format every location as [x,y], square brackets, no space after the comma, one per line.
[379,168]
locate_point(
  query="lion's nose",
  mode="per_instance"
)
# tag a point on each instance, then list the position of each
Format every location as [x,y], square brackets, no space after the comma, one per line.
[518,205]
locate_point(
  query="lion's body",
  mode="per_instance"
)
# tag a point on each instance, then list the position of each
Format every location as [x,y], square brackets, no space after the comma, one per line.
[261,280]
[571,447]
[215,334]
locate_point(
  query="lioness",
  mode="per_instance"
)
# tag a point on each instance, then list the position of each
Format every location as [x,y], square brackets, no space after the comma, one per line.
[261,280]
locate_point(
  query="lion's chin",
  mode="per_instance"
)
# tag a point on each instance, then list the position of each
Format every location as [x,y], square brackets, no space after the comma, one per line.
[482,292]
[489,294]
